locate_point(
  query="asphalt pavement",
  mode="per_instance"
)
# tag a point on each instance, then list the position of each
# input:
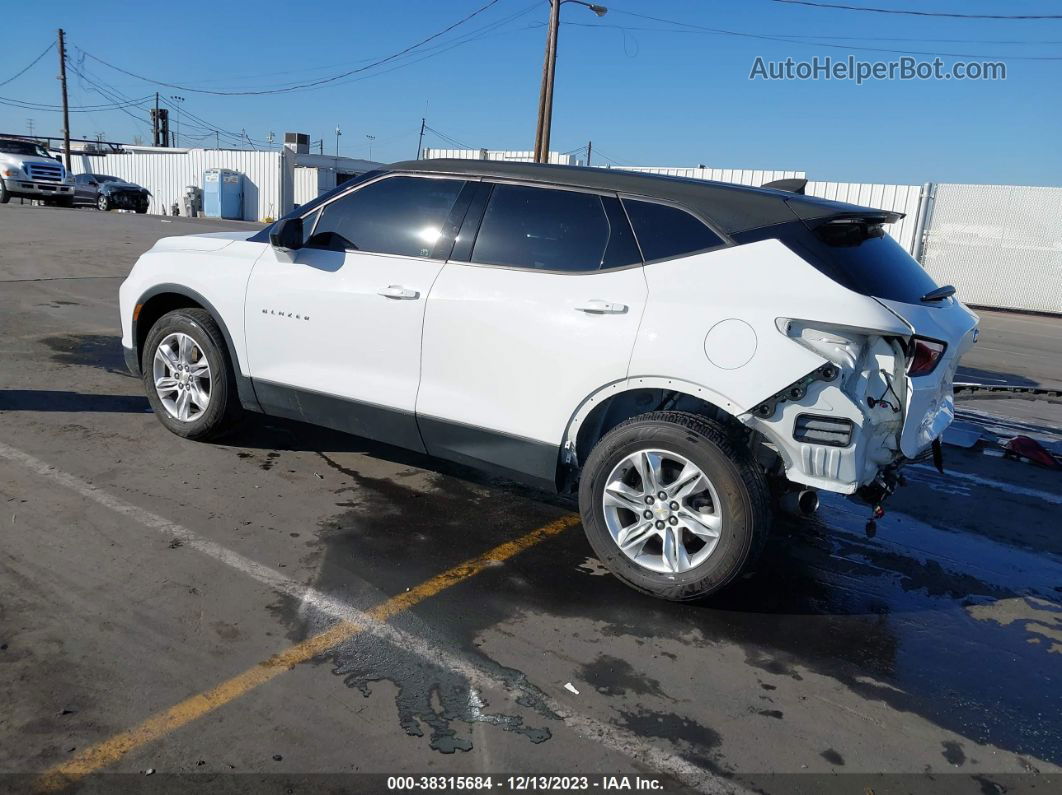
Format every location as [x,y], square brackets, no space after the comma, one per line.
[293,609]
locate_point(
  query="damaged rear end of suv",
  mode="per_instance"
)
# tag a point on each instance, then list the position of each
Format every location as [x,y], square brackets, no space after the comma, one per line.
[882,395]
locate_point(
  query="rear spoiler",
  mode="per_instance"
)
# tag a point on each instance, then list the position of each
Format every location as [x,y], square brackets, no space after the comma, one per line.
[788,185]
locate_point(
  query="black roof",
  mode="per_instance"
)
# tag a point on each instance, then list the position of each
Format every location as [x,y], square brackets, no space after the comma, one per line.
[732,208]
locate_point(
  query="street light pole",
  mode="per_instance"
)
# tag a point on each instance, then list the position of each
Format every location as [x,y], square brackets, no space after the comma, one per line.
[177,132]
[549,71]
[339,132]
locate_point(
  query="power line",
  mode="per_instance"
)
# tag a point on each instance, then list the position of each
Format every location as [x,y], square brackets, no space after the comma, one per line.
[19,103]
[302,86]
[486,31]
[743,34]
[798,36]
[448,139]
[910,12]
[33,63]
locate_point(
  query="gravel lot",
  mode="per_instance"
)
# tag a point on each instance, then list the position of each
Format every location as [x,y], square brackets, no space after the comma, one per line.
[139,570]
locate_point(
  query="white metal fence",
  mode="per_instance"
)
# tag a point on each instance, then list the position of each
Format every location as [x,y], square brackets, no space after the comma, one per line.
[508,155]
[739,176]
[1000,245]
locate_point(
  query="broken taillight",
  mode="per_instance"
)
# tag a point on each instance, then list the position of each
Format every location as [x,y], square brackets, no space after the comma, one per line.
[924,355]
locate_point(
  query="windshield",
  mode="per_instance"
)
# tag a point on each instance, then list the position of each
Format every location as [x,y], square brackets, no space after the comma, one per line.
[23,148]
[104,178]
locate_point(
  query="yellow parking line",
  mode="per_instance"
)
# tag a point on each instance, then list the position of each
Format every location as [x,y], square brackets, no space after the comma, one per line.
[162,723]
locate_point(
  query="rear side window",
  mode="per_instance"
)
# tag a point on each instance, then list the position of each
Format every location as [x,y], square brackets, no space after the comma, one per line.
[398,215]
[555,230]
[875,266]
[665,231]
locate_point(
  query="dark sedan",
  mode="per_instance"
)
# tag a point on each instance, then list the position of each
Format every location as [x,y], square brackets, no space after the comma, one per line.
[110,193]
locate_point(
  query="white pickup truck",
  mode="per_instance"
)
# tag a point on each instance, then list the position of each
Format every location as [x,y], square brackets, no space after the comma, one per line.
[27,170]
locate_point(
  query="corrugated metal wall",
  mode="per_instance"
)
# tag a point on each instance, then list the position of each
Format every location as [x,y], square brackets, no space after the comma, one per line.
[512,156]
[900,198]
[309,183]
[267,176]
[738,176]
[1000,245]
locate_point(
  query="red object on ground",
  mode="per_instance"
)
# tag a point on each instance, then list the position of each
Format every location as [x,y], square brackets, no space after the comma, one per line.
[1025,447]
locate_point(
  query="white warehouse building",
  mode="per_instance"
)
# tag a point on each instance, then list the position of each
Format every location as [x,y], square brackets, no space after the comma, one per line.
[274,181]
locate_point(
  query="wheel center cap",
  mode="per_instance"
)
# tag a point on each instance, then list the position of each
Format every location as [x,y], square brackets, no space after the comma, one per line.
[661,510]
[183,377]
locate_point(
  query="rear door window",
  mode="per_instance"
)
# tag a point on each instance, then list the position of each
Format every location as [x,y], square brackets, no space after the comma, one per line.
[664,231]
[397,215]
[554,230]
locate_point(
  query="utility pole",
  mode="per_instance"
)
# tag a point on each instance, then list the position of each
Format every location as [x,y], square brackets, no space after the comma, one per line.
[549,71]
[217,140]
[420,141]
[545,95]
[339,132]
[66,107]
[589,151]
[155,122]
[29,126]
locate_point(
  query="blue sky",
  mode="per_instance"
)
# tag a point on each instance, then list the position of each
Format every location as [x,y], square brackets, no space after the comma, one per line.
[646,92]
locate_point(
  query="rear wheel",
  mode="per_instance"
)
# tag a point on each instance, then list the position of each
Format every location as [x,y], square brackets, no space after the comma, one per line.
[672,507]
[188,376]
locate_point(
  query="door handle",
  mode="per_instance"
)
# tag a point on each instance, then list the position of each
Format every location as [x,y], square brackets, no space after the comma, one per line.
[399,292]
[599,307]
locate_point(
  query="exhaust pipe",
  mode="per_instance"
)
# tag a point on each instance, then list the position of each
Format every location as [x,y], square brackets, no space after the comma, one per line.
[800,503]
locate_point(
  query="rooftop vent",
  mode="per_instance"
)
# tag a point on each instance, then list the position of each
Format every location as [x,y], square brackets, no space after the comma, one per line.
[299,143]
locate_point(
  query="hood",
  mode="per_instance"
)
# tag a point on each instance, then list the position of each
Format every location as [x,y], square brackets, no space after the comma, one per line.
[120,185]
[208,241]
[9,158]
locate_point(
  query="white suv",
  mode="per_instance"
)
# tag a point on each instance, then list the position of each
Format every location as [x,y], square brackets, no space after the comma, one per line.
[678,351]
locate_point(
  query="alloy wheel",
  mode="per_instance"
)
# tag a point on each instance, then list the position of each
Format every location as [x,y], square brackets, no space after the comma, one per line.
[182,377]
[662,511]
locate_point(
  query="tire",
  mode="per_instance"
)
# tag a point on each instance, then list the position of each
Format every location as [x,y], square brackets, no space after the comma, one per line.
[222,411]
[5,196]
[102,204]
[141,210]
[735,490]
[66,202]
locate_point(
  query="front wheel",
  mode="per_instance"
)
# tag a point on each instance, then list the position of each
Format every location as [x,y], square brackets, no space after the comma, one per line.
[672,507]
[103,204]
[5,197]
[188,376]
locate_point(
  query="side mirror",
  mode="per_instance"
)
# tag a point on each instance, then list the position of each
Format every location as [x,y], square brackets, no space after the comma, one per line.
[286,234]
